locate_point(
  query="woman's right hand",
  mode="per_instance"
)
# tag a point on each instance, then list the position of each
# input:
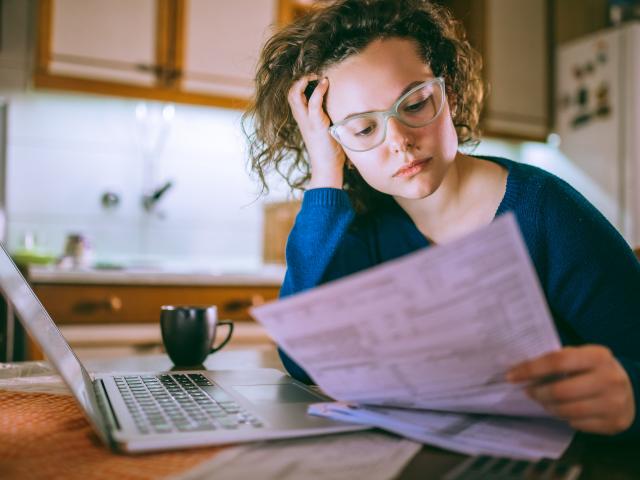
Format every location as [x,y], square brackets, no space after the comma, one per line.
[325,154]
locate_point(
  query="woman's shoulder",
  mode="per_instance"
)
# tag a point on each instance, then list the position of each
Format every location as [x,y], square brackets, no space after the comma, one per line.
[531,187]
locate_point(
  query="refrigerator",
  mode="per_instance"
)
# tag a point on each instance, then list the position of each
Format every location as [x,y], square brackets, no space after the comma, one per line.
[597,118]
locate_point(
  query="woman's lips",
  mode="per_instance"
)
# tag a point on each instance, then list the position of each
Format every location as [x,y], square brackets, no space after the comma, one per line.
[412,168]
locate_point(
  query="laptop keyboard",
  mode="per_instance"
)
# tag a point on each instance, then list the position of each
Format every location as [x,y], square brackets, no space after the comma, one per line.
[181,403]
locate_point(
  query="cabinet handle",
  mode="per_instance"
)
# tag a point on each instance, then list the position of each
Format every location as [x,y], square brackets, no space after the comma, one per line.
[111,304]
[242,304]
[114,303]
[144,67]
[165,74]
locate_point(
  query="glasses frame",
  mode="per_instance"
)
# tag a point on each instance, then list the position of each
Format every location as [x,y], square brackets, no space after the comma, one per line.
[392,112]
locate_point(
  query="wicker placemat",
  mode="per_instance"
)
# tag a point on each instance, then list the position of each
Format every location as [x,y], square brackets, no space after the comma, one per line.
[45,436]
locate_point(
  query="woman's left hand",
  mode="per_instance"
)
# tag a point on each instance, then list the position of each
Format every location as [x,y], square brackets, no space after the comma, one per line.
[584,385]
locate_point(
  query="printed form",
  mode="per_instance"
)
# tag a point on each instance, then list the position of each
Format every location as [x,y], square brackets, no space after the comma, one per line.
[436,329]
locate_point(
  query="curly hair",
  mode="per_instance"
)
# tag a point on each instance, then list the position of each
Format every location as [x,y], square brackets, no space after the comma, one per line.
[326,36]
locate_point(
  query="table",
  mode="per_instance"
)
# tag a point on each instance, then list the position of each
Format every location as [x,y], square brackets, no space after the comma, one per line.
[600,458]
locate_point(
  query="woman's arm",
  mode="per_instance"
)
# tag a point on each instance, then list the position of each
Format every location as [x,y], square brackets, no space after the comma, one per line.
[321,248]
[320,229]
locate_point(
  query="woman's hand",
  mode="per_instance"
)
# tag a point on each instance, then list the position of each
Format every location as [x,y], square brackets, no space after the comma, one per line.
[584,385]
[325,154]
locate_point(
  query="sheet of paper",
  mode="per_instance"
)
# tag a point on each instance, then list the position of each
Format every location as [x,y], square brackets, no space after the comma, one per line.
[35,377]
[436,329]
[528,438]
[370,455]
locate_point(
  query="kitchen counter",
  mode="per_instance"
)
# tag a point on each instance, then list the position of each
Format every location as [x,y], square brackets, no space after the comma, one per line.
[265,275]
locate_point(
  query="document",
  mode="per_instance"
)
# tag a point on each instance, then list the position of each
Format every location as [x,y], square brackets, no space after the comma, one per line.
[370,455]
[523,438]
[433,330]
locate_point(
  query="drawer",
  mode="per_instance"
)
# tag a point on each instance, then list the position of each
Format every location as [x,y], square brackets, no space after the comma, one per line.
[78,304]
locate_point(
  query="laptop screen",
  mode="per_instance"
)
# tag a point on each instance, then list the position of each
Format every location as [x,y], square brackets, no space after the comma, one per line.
[44,332]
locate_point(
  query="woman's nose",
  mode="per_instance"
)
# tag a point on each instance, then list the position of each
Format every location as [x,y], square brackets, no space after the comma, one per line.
[399,136]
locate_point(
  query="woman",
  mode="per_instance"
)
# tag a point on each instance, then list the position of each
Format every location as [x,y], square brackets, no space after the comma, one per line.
[376,145]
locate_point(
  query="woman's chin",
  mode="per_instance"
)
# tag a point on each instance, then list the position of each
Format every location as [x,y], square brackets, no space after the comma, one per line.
[415,190]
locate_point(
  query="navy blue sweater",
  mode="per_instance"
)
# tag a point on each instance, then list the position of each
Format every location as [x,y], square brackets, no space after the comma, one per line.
[589,274]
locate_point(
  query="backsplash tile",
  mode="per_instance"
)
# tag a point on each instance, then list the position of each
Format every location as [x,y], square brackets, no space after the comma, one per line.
[65,151]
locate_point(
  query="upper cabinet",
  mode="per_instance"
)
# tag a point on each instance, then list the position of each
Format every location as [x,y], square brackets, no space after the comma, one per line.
[515,42]
[222,45]
[193,51]
[517,55]
[113,40]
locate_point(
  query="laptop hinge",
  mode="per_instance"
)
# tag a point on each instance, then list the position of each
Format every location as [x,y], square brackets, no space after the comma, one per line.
[106,408]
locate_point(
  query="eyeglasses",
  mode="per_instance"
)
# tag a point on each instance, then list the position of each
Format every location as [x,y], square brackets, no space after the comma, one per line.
[417,108]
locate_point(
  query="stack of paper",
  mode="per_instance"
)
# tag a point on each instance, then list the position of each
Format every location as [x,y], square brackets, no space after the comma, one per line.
[473,434]
[433,330]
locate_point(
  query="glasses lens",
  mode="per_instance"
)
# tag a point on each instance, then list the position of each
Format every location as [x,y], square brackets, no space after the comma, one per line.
[362,132]
[422,106]
[418,109]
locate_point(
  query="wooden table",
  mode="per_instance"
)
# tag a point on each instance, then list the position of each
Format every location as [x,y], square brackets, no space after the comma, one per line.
[600,459]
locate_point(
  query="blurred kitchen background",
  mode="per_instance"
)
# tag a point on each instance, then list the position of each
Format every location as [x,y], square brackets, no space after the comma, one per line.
[123,176]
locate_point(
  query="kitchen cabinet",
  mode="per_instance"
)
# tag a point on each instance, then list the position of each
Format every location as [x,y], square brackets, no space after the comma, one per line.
[191,51]
[577,18]
[95,304]
[16,36]
[221,51]
[84,41]
[518,69]
[516,43]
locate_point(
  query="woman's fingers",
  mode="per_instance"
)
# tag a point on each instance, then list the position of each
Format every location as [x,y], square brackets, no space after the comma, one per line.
[296,98]
[576,387]
[561,362]
[325,154]
[584,385]
[317,97]
[579,409]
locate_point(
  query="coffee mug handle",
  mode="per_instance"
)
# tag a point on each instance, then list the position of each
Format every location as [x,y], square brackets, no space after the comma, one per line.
[229,324]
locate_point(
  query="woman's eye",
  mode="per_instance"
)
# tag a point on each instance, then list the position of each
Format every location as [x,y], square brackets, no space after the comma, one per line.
[366,131]
[417,106]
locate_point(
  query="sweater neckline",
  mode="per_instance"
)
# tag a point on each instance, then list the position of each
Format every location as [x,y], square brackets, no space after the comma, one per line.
[509,200]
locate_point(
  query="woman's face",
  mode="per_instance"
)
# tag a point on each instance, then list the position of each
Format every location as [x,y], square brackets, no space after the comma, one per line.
[410,162]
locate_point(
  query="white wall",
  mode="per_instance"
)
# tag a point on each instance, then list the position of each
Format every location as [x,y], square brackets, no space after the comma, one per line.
[64,151]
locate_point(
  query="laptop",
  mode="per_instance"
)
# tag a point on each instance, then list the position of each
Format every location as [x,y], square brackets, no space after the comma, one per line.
[144,412]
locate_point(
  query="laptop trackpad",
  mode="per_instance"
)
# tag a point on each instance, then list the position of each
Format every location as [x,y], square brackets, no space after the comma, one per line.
[280,393]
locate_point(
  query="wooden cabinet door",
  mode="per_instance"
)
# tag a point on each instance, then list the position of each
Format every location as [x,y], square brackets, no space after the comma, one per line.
[114,40]
[517,68]
[222,41]
[112,304]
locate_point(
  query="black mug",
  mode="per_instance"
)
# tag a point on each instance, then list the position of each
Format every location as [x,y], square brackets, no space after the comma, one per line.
[188,333]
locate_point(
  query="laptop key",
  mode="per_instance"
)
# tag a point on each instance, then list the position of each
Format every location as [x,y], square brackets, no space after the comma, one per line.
[228,422]
[163,428]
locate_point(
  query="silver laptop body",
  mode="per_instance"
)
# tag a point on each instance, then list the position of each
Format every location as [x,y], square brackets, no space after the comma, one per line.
[220,407]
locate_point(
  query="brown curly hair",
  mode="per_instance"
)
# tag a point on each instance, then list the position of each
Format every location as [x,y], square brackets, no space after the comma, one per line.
[329,34]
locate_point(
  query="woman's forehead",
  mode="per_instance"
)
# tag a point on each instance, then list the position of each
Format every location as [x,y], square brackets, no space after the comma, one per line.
[374,78]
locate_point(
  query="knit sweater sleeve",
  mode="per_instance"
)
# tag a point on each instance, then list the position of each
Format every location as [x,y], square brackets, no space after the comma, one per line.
[320,248]
[593,278]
